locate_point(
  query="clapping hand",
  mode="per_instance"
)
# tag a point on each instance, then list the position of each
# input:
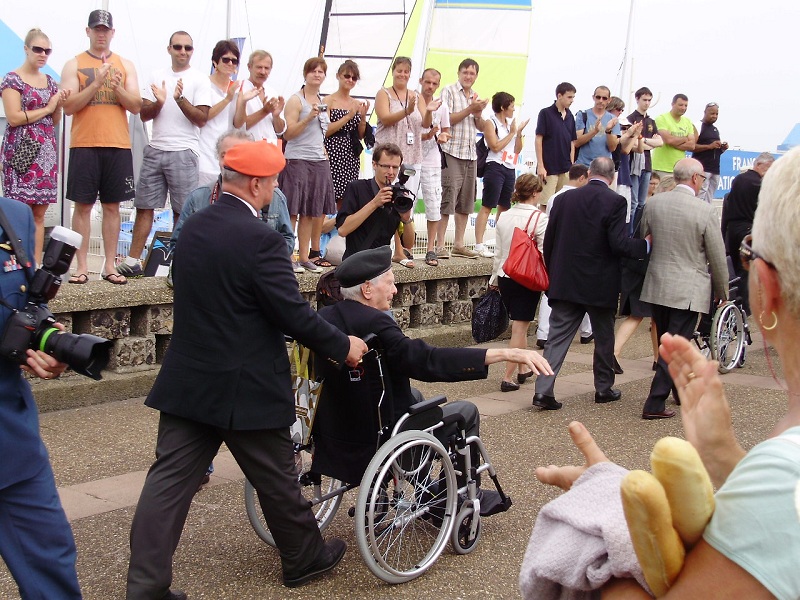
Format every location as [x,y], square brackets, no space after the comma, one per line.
[159,93]
[178,89]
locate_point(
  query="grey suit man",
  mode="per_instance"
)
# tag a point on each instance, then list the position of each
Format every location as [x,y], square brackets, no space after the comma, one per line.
[686,241]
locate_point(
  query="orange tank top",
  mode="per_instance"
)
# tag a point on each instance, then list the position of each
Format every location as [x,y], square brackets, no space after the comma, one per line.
[103,123]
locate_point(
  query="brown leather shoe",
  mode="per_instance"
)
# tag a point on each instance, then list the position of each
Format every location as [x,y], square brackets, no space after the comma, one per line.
[667,413]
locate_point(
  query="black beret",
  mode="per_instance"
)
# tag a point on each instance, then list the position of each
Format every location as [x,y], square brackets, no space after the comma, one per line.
[363,266]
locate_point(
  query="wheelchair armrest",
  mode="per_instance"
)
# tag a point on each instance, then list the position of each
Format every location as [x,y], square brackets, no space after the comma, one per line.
[415,409]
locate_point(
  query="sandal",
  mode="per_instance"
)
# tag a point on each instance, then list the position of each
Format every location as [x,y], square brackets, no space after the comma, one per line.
[115,278]
[431,260]
[407,263]
[80,278]
[407,254]
[321,262]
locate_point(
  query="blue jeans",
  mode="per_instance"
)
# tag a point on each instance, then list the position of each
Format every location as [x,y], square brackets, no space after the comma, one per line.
[639,185]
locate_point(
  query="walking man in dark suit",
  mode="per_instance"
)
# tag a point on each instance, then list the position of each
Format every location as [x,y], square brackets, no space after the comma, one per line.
[686,241]
[585,238]
[35,539]
[226,378]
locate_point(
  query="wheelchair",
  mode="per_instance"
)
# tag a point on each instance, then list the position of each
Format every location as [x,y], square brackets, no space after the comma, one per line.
[727,337]
[415,495]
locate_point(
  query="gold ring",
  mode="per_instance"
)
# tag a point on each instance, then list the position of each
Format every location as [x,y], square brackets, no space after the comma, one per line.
[691,375]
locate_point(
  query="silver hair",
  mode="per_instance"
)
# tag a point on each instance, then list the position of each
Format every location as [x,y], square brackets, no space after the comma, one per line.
[235,177]
[684,170]
[776,227]
[602,166]
[354,291]
[239,134]
[764,158]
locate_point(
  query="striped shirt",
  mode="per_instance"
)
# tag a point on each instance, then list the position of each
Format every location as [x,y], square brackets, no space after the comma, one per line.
[462,135]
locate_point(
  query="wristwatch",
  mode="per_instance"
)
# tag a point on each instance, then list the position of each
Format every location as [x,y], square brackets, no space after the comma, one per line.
[179,99]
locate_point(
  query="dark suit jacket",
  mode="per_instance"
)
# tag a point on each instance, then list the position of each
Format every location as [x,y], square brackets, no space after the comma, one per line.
[346,424]
[23,453]
[585,238]
[235,297]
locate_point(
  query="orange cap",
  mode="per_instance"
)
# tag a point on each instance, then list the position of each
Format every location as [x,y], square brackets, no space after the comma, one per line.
[256,159]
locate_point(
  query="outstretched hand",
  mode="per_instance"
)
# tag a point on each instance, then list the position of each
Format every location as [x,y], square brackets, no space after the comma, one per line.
[565,476]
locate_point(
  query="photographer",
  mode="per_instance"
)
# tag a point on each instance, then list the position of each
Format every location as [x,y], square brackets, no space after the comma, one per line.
[36,542]
[369,216]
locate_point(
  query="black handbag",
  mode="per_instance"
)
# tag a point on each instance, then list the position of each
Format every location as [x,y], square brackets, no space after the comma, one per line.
[355,142]
[26,152]
[489,318]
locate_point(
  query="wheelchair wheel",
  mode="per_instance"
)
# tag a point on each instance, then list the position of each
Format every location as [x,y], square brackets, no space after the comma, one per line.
[462,538]
[727,336]
[313,488]
[405,508]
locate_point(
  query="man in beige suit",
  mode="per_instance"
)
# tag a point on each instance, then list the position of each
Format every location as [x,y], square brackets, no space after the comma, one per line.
[686,241]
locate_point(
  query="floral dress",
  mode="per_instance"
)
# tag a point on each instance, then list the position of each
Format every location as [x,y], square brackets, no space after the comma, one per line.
[344,164]
[40,184]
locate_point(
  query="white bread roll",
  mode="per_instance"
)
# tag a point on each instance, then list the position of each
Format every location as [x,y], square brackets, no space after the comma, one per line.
[677,466]
[655,541]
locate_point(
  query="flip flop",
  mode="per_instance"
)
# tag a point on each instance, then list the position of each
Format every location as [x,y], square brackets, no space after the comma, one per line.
[407,254]
[80,278]
[431,260]
[115,278]
[407,263]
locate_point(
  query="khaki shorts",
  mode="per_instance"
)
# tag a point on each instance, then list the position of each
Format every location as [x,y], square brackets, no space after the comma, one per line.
[459,186]
[553,184]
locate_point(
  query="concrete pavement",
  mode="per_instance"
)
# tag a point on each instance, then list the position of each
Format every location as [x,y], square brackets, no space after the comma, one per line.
[101,453]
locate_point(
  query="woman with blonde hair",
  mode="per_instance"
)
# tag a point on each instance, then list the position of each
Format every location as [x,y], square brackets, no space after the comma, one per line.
[520,302]
[32,103]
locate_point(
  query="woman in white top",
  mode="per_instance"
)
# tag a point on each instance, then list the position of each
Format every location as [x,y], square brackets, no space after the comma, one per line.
[504,139]
[399,122]
[225,62]
[520,301]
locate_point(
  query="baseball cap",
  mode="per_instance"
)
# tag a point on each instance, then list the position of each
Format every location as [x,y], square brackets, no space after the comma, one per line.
[256,159]
[100,17]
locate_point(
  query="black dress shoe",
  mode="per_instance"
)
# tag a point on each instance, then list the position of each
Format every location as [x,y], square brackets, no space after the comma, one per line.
[588,339]
[667,413]
[330,555]
[617,367]
[546,402]
[521,377]
[176,595]
[540,344]
[608,396]
[508,386]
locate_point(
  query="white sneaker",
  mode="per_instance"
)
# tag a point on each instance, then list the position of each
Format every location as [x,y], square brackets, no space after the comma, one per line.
[484,252]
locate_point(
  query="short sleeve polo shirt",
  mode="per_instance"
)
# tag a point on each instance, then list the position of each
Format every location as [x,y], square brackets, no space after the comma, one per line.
[557,136]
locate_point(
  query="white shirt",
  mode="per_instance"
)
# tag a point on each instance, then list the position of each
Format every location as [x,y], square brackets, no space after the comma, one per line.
[210,132]
[172,131]
[264,129]
[430,152]
[506,155]
[556,195]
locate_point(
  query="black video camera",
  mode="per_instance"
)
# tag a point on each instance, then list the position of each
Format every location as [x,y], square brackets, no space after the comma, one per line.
[32,327]
[403,199]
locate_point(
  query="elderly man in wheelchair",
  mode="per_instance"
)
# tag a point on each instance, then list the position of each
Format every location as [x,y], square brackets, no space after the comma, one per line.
[417,463]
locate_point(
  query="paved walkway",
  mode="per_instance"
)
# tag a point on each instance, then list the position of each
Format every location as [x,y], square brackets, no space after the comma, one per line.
[101,453]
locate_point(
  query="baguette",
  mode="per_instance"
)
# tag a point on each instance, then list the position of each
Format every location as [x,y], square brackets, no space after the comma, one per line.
[658,546]
[677,466]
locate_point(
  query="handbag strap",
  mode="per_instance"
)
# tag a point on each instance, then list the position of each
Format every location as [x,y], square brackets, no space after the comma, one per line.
[532,235]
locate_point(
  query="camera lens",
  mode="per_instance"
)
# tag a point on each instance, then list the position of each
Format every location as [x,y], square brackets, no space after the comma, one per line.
[85,354]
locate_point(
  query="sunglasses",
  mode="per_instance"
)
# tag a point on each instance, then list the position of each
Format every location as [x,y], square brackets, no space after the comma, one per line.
[40,50]
[712,105]
[228,60]
[349,76]
[747,254]
[601,97]
[179,47]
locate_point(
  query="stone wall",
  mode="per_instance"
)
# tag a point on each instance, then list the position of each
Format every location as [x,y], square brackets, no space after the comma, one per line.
[139,316]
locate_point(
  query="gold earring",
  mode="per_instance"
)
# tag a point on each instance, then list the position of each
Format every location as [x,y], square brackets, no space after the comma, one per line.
[774,323]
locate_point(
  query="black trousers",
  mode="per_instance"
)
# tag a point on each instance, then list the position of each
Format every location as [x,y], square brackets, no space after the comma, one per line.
[565,319]
[184,450]
[676,321]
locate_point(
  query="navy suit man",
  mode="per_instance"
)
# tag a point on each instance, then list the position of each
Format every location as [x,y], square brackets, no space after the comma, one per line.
[36,541]
[226,378]
[585,238]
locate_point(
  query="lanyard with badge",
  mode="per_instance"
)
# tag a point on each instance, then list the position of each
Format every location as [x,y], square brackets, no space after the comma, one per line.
[409,133]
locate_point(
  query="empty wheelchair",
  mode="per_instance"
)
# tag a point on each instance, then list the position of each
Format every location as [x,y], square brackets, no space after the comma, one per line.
[728,336]
[415,494]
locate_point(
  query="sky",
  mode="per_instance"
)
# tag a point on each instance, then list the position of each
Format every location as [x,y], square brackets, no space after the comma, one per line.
[735,53]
